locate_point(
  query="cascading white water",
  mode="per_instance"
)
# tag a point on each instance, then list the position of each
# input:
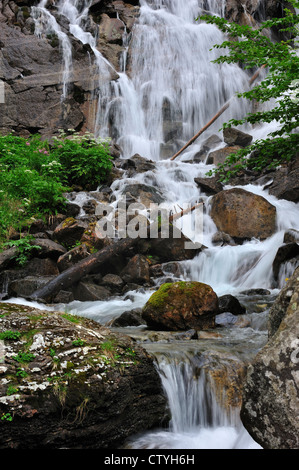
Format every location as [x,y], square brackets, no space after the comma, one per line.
[173,89]
[166,91]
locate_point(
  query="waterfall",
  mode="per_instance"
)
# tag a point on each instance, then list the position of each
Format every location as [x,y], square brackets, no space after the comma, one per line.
[167,89]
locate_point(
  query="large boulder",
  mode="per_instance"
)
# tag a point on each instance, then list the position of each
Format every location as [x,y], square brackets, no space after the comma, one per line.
[69,383]
[181,305]
[270,408]
[243,215]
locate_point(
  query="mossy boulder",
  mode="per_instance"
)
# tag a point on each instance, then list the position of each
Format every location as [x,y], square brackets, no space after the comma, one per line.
[68,382]
[180,306]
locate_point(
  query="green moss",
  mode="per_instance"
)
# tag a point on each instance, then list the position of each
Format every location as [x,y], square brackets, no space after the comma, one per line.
[158,299]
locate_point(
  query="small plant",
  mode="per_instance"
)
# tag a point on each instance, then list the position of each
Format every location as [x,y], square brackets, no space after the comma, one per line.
[11,390]
[23,357]
[24,247]
[6,417]
[70,317]
[10,335]
[78,342]
[21,373]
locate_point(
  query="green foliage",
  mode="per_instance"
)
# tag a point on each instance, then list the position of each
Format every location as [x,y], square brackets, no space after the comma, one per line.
[24,357]
[253,48]
[24,247]
[85,159]
[10,335]
[35,174]
[6,417]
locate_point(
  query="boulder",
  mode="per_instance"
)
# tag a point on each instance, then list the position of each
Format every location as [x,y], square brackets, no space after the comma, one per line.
[137,270]
[209,185]
[285,184]
[143,193]
[181,306]
[88,291]
[229,303]
[233,137]
[7,257]
[69,232]
[81,386]
[219,156]
[48,248]
[243,215]
[270,405]
[287,252]
[129,318]
[72,257]
[26,286]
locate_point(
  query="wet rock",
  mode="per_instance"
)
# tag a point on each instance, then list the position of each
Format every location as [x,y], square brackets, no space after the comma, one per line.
[7,258]
[225,319]
[243,215]
[48,248]
[234,137]
[218,156]
[137,270]
[291,236]
[270,404]
[72,257]
[87,291]
[285,184]
[209,185]
[129,318]
[181,306]
[82,387]
[222,239]
[113,280]
[69,232]
[26,286]
[63,297]
[229,303]
[287,252]
[42,267]
[144,194]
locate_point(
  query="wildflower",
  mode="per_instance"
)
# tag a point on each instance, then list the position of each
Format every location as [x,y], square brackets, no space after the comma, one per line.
[27,143]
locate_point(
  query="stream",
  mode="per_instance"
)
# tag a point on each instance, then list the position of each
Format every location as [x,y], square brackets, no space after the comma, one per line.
[171,91]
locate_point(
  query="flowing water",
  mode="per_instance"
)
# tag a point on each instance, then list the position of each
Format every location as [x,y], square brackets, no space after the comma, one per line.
[167,89]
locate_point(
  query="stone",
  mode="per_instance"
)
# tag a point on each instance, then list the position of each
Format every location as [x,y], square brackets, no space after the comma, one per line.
[129,318]
[270,405]
[69,232]
[229,303]
[234,137]
[209,185]
[137,270]
[42,267]
[7,257]
[285,184]
[291,236]
[72,257]
[47,248]
[108,394]
[287,252]
[243,215]
[222,239]
[113,280]
[218,156]
[181,306]
[26,286]
[87,291]
[144,194]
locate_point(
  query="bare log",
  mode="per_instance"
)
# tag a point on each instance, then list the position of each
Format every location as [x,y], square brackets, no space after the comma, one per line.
[73,274]
[221,111]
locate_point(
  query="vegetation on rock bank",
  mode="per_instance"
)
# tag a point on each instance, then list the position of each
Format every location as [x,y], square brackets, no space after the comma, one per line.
[35,174]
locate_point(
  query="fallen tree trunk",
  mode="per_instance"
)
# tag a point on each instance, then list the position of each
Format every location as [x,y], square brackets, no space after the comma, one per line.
[221,111]
[73,274]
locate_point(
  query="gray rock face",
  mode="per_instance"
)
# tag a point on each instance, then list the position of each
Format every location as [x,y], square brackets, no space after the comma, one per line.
[31,67]
[270,409]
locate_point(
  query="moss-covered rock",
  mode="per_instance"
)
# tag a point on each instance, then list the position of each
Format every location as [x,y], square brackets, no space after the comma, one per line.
[67,382]
[180,306]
